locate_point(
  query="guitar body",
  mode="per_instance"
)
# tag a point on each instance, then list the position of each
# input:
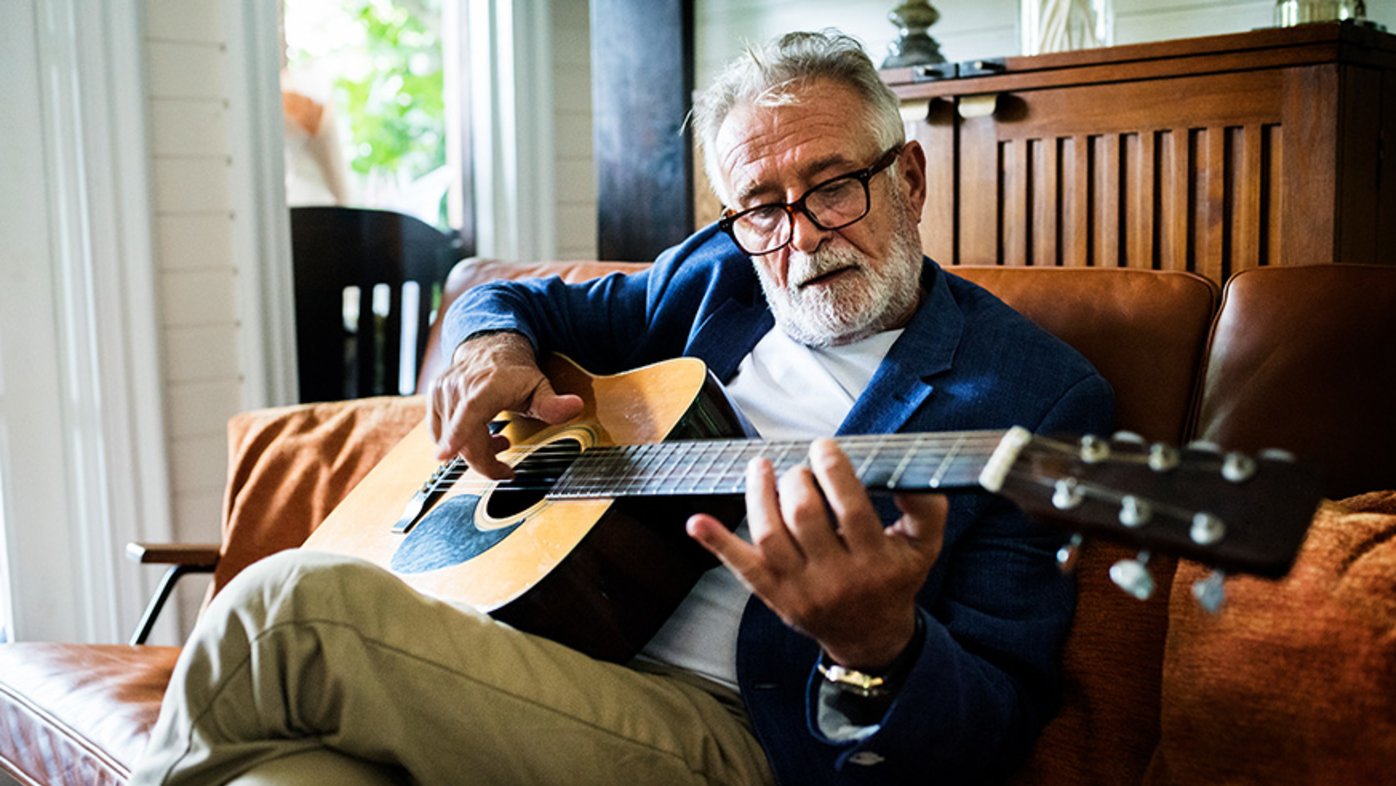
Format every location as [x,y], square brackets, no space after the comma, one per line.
[600,575]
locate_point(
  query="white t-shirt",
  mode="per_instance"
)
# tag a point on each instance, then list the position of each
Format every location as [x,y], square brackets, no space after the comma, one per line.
[787,391]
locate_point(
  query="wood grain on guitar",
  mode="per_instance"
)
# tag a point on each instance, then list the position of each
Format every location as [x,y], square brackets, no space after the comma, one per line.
[586,544]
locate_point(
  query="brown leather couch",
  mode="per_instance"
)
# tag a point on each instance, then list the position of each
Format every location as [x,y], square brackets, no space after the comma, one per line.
[1300,358]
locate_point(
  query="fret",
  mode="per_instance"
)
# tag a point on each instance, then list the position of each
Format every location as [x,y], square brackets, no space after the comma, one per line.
[869,463]
[945,463]
[785,448]
[723,474]
[670,462]
[716,448]
[906,459]
[635,471]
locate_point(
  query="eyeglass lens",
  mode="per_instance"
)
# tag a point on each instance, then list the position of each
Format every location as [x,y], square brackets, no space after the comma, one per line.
[833,205]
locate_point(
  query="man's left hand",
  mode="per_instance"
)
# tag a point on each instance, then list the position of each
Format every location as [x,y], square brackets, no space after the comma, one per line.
[848,583]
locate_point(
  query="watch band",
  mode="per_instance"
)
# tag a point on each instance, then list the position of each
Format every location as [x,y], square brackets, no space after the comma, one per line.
[873,685]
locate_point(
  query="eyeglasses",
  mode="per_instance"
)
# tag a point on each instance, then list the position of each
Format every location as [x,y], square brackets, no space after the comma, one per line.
[832,204]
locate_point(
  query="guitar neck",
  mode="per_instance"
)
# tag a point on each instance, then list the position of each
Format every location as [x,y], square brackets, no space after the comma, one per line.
[902,462]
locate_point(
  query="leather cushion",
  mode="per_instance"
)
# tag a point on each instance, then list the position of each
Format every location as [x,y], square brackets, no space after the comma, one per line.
[1304,359]
[78,714]
[1295,681]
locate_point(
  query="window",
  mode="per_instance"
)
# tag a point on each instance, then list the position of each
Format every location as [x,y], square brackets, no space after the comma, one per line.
[363,90]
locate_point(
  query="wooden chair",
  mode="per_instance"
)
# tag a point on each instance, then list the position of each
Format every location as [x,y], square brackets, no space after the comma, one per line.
[363,279]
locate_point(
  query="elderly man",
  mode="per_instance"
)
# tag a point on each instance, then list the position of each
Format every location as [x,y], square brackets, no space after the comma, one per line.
[847,639]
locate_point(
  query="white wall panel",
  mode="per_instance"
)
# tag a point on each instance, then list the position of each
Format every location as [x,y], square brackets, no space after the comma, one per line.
[182,70]
[201,354]
[199,464]
[185,20]
[195,241]
[197,409]
[193,299]
[189,127]
[191,185]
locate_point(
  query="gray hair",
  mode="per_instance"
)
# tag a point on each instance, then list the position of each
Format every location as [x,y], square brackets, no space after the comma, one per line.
[773,73]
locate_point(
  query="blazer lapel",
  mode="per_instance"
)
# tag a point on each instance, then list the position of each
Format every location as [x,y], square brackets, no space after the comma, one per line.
[728,334]
[903,380]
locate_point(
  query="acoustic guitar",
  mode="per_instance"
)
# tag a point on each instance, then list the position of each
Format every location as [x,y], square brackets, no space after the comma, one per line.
[586,544]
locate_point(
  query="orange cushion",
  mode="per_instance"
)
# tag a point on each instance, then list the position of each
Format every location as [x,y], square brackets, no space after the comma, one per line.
[288,467]
[1295,681]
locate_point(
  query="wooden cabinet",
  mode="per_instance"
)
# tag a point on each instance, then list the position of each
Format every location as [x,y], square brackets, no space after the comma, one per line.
[1211,154]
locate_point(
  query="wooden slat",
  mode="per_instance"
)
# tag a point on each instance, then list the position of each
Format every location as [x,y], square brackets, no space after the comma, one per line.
[1250,182]
[1141,180]
[1272,155]
[1015,201]
[1210,172]
[1108,221]
[1172,214]
[979,205]
[1076,201]
[1045,190]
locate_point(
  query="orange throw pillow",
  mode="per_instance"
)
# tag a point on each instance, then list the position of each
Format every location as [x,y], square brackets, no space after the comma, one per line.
[288,467]
[1295,681]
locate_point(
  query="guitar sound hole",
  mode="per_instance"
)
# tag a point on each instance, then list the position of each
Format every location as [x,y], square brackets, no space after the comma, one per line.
[534,477]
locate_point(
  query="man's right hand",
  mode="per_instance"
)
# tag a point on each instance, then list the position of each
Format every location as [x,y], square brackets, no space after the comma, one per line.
[490,374]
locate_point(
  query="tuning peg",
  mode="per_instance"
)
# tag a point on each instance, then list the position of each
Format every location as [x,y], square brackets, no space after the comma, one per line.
[1070,553]
[1238,467]
[1210,591]
[1132,576]
[1066,494]
[1128,436]
[1276,454]
[1204,446]
[1206,529]
[1094,449]
[1135,512]
[1162,458]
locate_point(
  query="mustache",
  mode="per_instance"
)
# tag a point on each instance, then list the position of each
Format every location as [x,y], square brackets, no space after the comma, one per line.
[805,268]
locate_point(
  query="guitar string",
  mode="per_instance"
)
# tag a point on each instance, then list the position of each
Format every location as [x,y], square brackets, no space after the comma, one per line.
[545,463]
[963,470]
[563,456]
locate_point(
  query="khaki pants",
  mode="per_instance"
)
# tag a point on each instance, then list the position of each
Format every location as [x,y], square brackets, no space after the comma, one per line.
[313,668]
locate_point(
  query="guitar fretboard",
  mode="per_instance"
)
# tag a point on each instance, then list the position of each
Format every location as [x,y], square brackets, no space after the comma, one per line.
[911,462]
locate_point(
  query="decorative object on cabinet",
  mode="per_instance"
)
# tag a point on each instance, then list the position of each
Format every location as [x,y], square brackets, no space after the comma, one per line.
[1065,25]
[914,46]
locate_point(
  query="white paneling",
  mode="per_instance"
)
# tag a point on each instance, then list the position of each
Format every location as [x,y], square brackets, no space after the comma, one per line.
[195,241]
[179,70]
[574,178]
[201,354]
[199,464]
[192,185]
[202,511]
[185,20]
[572,90]
[189,127]
[198,409]
[199,298]
[576,182]
[574,135]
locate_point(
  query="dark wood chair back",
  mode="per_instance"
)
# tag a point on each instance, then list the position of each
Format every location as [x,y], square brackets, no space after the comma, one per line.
[364,279]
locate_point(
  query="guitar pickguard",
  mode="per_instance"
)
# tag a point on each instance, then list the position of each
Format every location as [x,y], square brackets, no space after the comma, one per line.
[448,536]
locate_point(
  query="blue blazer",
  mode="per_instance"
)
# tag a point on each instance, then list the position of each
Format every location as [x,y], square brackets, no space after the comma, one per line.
[994,608]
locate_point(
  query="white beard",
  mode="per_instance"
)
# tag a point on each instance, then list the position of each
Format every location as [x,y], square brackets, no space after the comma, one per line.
[862,302]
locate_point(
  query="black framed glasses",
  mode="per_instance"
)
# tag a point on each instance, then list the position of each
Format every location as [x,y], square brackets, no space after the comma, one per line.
[832,204]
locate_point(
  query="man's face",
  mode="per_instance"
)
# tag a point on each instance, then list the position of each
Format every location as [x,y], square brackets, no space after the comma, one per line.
[827,287]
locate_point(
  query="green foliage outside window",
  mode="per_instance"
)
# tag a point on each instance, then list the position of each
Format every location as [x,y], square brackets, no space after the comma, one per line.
[388,88]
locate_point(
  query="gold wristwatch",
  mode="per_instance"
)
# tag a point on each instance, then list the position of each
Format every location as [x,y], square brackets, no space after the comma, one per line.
[858,683]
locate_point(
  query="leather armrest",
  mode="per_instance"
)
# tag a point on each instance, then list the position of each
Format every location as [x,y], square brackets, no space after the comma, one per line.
[203,555]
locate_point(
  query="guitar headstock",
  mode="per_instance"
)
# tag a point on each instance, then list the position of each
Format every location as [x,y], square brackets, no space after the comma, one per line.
[1233,511]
